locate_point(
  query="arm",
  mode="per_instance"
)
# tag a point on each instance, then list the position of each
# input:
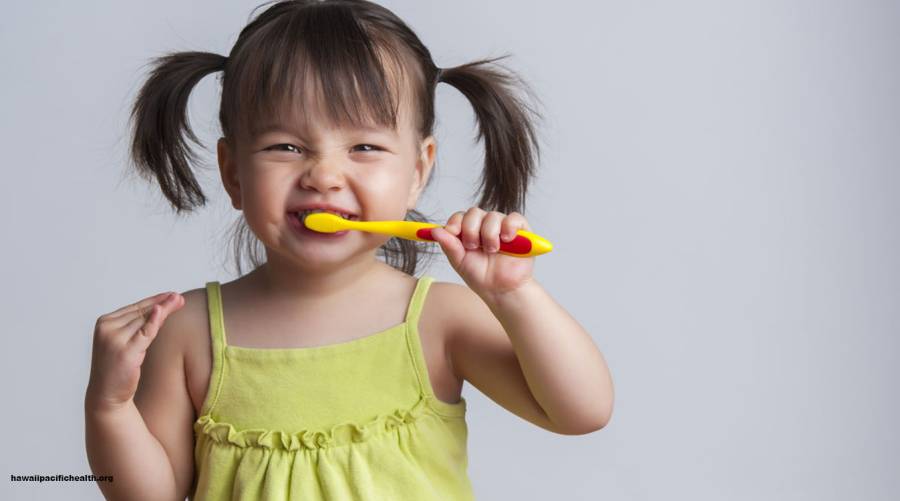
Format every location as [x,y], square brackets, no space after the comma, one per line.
[146,442]
[120,444]
[525,352]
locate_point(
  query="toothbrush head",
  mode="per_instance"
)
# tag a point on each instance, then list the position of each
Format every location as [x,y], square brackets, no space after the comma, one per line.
[325,222]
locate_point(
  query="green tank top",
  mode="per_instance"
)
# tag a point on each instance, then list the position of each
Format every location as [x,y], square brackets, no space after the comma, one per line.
[356,420]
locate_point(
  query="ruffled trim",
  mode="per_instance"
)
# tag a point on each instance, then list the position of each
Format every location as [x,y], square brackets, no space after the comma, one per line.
[340,434]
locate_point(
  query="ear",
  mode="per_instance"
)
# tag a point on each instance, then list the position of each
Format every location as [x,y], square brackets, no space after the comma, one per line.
[228,171]
[424,163]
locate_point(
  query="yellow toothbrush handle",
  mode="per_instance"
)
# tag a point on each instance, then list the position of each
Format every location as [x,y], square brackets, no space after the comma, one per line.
[525,244]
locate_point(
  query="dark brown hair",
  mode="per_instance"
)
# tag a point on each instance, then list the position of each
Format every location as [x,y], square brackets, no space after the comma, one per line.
[359,55]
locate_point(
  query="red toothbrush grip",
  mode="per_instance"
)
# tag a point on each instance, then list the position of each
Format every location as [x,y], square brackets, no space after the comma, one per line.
[519,245]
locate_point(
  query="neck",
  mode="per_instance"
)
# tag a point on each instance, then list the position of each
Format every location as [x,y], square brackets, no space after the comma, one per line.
[282,278]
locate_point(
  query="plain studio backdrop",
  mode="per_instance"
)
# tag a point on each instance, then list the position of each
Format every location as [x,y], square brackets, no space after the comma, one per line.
[720,181]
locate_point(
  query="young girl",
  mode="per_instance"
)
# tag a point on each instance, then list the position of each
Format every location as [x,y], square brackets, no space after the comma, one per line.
[326,373]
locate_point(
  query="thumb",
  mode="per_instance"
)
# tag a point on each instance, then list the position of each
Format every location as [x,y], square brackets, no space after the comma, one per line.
[450,244]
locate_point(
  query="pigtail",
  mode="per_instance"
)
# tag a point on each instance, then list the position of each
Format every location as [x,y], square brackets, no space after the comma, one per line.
[407,255]
[160,123]
[510,141]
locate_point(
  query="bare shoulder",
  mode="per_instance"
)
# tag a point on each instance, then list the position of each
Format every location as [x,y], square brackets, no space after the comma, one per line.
[191,325]
[174,338]
[448,308]
[193,315]
[167,358]
[455,304]
[183,324]
[440,307]
[449,299]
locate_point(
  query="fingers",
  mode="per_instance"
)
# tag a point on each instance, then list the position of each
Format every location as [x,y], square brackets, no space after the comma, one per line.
[490,231]
[141,308]
[513,223]
[450,244]
[478,228]
[145,330]
[143,303]
[454,222]
[471,228]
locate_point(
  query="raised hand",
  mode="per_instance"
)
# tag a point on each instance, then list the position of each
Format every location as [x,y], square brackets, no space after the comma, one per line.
[475,256]
[121,339]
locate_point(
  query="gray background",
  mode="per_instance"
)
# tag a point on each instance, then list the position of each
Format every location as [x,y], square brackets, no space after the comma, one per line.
[720,180]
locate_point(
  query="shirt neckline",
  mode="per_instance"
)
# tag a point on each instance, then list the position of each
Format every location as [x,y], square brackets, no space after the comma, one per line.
[321,348]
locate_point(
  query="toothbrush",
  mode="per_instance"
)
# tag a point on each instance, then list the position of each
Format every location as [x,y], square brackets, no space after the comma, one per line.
[525,244]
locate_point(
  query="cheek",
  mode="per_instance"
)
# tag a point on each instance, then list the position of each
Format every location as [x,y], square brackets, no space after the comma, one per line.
[264,196]
[264,180]
[386,195]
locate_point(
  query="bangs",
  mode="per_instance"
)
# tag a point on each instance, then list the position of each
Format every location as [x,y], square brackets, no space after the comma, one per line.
[315,62]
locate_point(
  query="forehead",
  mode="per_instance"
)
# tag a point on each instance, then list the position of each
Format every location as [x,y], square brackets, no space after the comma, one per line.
[306,113]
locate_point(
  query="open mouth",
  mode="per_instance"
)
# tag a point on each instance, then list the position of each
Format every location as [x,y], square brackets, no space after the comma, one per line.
[301,215]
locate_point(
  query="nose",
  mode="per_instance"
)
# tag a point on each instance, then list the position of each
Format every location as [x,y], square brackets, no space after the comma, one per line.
[323,176]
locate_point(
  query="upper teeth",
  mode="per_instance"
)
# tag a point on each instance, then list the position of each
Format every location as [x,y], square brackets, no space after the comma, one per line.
[302,214]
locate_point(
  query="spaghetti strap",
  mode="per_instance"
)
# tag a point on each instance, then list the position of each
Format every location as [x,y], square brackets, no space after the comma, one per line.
[414,344]
[414,310]
[217,341]
[216,318]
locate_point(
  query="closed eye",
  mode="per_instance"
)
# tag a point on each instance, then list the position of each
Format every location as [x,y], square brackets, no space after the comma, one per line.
[278,147]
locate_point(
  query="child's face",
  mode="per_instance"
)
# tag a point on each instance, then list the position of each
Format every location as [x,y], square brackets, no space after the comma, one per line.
[303,162]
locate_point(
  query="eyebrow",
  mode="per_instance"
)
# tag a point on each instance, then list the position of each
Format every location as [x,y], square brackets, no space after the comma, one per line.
[277,127]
